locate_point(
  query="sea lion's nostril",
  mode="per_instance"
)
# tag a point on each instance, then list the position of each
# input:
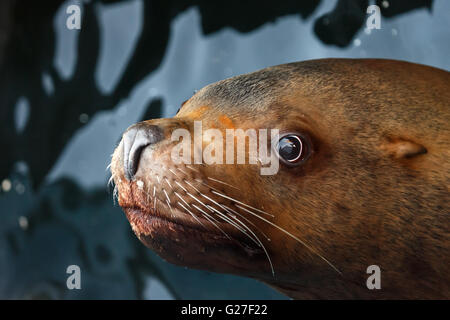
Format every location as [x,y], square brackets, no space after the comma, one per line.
[135,139]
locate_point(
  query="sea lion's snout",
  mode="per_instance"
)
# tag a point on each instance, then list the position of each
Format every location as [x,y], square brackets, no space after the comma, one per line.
[182,211]
[135,139]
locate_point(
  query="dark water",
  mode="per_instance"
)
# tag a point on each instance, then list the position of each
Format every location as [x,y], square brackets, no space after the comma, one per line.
[67,95]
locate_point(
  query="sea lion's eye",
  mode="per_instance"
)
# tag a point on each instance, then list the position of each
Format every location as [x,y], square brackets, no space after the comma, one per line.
[292,148]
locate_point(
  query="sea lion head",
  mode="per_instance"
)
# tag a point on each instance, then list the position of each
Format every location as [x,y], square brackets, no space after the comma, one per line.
[354,185]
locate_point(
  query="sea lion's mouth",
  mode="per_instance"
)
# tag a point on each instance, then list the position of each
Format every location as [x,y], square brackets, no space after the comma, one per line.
[147,221]
[190,243]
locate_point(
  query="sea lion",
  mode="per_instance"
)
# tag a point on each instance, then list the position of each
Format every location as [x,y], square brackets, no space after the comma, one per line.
[368,184]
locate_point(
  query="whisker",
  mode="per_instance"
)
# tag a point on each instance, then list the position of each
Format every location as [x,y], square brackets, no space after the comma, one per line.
[246,228]
[205,184]
[213,201]
[167,180]
[260,244]
[181,186]
[110,180]
[292,236]
[244,204]
[115,194]
[256,227]
[173,172]
[193,215]
[188,183]
[207,216]
[257,241]
[148,196]
[195,198]
[228,220]
[147,193]
[189,167]
[216,203]
[181,198]
[170,207]
[164,190]
[182,171]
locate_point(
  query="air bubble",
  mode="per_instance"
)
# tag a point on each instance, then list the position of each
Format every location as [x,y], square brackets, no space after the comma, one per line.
[6,185]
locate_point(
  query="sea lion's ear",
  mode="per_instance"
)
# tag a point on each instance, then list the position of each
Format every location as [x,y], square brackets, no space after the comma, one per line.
[399,148]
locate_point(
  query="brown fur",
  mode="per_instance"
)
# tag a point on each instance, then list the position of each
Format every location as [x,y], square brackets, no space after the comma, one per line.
[374,191]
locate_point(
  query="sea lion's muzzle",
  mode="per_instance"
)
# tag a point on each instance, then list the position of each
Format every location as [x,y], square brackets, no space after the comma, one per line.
[135,139]
[172,207]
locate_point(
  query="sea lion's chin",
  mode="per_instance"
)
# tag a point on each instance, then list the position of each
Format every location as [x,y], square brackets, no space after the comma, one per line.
[193,244]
